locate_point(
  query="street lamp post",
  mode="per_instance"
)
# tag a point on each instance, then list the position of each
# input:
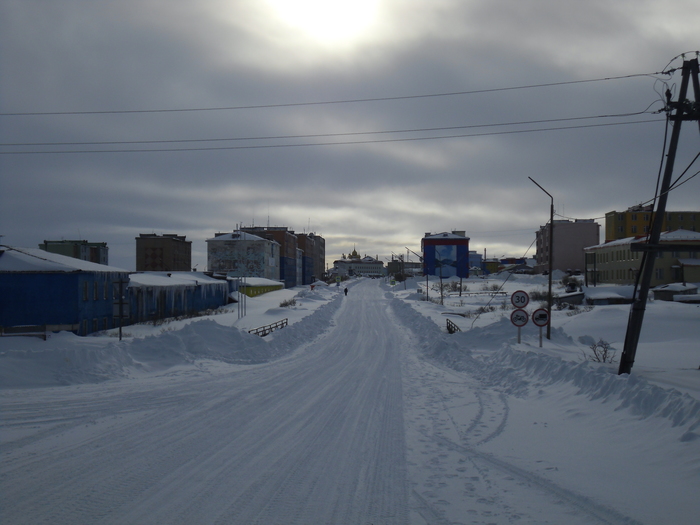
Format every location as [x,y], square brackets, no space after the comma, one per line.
[551,254]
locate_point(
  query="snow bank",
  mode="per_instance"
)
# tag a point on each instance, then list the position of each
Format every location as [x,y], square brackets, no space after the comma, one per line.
[519,372]
[65,359]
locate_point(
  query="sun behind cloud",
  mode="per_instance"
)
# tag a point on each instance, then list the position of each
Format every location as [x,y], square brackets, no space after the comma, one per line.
[328,22]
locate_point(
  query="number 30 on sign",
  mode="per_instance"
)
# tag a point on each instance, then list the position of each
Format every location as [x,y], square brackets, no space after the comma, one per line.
[520,299]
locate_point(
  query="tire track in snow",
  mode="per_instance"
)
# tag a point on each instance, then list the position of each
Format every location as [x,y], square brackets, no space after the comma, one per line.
[584,504]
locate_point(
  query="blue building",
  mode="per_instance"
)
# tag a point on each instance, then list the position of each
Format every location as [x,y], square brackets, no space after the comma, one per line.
[446,254]
[160,295]
[56,292]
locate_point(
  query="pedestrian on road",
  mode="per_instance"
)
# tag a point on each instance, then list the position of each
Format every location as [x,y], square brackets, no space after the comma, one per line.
[346,291]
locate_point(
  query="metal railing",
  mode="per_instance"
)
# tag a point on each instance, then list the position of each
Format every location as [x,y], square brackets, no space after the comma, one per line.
[452,328]
[262,331]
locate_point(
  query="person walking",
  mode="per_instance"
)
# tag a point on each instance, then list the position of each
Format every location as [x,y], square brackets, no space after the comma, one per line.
[346,291]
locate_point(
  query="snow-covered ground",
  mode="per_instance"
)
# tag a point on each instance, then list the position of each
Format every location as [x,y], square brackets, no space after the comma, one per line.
[363,410]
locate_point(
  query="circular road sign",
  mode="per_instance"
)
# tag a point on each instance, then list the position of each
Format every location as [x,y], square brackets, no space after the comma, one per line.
[540,317]
[519,317]
[520,299]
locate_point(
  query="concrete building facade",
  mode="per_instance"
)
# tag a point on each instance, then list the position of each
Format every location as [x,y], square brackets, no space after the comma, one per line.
[241,254]
[614,262]
[163,253]
[288,250]
[570,239]
[636,221]
[95,252]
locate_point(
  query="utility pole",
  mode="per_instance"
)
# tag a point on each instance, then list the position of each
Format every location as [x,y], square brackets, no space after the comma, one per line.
[684,110]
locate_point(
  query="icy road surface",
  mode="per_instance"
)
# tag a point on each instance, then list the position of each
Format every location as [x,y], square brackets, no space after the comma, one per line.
[354,428]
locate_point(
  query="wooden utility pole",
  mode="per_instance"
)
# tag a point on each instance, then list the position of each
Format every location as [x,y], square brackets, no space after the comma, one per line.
[683,110]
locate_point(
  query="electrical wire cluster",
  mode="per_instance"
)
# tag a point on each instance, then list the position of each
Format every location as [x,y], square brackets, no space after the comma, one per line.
[332,139]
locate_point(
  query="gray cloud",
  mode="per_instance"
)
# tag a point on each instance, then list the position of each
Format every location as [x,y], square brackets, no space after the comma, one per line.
[87,56]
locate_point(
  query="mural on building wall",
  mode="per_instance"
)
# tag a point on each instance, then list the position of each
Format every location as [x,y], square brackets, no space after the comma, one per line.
[446,260]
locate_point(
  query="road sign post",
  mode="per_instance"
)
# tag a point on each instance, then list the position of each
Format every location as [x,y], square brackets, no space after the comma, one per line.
[540,318]
[519,318]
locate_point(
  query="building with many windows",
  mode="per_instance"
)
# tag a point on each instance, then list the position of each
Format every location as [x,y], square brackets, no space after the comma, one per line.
[570,239]
[96,252]
[637,221]
[163,253]
[614,262]
[288,250]
[57,292]
[241,254]
[354,265]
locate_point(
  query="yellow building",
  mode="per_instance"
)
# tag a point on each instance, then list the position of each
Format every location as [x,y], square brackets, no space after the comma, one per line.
[637,221]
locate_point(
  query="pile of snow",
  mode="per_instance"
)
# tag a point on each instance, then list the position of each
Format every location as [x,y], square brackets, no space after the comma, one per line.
[65,359]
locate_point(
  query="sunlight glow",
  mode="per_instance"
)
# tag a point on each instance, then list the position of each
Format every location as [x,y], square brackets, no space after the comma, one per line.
[328,22]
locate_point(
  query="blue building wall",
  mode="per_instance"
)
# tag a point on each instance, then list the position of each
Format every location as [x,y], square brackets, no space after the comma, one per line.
[288,271]
[151,303]
[67,299]
[307,269]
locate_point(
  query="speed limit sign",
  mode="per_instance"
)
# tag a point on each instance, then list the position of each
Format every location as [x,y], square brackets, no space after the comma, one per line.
[520,299]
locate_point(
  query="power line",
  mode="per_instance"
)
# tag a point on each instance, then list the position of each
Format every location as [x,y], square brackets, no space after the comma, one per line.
[332,102]
[344,143]
[325,135]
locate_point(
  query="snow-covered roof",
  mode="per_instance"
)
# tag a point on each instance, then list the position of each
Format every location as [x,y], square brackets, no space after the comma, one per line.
[238,236]
[190,279]
[689,262]
[672,236]
[261,281]
[445,235]
[675,287]
[35,260]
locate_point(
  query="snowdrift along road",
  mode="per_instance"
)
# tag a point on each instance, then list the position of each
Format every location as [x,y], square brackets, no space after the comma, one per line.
[365,411]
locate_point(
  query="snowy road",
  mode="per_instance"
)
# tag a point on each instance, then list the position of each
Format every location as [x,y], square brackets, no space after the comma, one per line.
[353,428]
[314,438]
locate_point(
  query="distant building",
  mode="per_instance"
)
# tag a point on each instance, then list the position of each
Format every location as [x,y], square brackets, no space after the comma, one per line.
[312,260]
[354,265]
[57,292]
[570,239]
[162,295]
[96,252]
[163,253]
[241,254]
[637,221]
[446,254]
[614,262]
[288,250]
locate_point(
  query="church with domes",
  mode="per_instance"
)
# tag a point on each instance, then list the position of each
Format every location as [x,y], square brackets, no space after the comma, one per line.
[354,265]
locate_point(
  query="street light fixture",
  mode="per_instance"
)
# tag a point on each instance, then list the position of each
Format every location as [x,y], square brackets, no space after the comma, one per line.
[551,253]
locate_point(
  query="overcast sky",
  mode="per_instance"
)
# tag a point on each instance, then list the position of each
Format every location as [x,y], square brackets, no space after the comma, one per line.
[271,62]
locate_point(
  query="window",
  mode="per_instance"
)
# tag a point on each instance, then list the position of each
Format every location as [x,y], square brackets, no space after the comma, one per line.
[634,229]
[634,216]
[646,229]
[95,291]
[86,292]
[106,290]
[619,229]
[95,324]
[659,272]
[620,217]
[85,325]
[105,326]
